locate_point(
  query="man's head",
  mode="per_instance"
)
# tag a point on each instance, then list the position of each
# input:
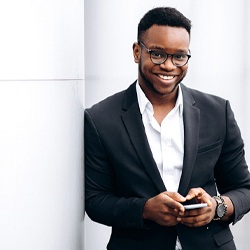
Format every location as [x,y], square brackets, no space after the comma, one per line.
[164,16]
[162,52]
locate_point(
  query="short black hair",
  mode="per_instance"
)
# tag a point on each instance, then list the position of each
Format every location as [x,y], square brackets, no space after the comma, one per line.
[165,16]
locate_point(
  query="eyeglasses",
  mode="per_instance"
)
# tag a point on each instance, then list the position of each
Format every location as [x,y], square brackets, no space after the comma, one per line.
[159,57]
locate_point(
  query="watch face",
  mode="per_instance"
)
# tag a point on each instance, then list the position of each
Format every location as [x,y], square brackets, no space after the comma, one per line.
[220,210]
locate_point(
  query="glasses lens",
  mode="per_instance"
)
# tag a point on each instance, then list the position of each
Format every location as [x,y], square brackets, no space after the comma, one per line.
[180,59]
[158,57]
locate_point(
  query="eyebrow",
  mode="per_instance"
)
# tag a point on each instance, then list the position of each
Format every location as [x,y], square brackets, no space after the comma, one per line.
[155,47]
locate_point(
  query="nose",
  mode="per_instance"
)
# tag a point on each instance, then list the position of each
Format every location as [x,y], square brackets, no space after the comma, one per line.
[168,64]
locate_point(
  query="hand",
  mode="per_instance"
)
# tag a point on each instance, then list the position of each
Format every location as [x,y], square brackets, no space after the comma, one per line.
[202,216]
[164,208]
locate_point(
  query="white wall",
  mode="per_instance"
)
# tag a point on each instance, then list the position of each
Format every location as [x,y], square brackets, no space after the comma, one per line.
[220,32]
[41,110]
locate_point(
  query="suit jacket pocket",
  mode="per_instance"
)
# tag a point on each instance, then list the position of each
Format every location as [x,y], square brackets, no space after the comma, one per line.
[223,237]
[209,147]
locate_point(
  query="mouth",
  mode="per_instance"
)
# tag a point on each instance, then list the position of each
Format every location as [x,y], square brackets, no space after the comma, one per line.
[164,77]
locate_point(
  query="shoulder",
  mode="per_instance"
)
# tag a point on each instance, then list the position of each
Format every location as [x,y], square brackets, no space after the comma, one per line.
[108,104]
[201,99]
[113,105]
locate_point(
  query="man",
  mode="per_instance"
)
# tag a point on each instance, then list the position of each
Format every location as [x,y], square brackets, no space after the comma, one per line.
[159,145]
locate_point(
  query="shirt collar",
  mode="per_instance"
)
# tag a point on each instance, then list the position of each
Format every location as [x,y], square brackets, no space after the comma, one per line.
[144,102]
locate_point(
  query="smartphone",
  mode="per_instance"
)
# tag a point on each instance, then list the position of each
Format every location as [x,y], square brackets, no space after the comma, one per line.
[195,206]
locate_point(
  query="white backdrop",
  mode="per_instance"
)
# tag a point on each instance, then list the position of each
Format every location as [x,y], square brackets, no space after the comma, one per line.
[220,64]
[41,112]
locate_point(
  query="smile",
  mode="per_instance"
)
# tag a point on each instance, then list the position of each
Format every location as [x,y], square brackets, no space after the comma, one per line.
[166,77]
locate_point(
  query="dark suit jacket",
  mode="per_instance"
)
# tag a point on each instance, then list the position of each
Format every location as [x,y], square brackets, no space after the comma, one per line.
[121,174]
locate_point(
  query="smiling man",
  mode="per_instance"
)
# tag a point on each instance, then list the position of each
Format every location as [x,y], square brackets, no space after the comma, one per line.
[159,146]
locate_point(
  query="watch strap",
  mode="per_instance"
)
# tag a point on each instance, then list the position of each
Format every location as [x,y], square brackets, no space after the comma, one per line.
[222,204]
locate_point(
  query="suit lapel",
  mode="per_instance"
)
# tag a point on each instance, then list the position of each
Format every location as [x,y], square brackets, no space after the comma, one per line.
[134,125]
[191,117]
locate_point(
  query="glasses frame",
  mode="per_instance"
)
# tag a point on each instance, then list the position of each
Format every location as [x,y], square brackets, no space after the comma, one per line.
[150,51]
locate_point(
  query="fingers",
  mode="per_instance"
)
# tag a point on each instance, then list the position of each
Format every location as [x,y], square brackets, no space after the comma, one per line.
[164,208]
[200,195]
[175,196]
[201,219]
[174,201]
[198,217]
[195,193]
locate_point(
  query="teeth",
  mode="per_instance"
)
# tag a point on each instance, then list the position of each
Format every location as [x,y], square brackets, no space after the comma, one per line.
[166,77]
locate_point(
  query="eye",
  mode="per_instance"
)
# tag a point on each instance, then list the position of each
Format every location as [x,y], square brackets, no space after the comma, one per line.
[180,57]
[158,54]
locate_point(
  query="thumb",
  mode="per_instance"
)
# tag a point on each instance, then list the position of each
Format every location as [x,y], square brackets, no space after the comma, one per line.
[175,196]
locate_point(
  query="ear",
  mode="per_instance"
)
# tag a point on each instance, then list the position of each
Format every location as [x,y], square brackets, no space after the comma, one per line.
[136,52]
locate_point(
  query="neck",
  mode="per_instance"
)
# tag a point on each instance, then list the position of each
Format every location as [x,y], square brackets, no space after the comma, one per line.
[162,104]
[161,100]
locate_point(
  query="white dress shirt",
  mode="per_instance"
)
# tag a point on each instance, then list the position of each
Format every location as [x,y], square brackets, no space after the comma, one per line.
[166,140]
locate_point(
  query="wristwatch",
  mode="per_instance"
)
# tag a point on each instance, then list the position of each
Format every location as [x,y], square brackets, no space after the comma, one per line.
[221,208]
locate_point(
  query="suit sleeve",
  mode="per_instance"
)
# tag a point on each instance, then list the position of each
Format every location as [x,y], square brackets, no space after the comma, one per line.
[231,171]
[101,203]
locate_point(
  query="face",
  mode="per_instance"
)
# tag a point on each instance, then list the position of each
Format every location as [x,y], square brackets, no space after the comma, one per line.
[161,81]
